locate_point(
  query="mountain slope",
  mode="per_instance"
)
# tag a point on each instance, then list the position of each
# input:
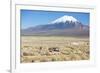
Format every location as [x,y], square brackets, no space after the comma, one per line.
[65,26]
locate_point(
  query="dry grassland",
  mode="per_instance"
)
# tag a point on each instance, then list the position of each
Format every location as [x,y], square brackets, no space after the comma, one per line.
[45,49]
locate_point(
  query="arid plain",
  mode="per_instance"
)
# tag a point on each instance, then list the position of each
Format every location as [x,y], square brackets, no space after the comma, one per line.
[54,48]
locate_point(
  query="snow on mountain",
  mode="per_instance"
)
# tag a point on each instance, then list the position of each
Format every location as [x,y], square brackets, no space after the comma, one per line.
[63,26]
[64,19]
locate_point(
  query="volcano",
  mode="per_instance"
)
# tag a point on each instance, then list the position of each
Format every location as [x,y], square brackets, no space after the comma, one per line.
[62,26]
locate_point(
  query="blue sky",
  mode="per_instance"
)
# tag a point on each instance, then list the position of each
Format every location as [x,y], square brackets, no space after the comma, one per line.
[33,18]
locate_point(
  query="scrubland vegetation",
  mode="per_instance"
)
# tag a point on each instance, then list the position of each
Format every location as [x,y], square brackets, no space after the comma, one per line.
[45,49]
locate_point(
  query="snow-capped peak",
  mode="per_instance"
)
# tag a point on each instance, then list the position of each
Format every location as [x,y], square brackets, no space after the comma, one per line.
[64,19]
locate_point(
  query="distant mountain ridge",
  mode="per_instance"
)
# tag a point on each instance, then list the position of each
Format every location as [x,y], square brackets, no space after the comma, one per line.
[65,25]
